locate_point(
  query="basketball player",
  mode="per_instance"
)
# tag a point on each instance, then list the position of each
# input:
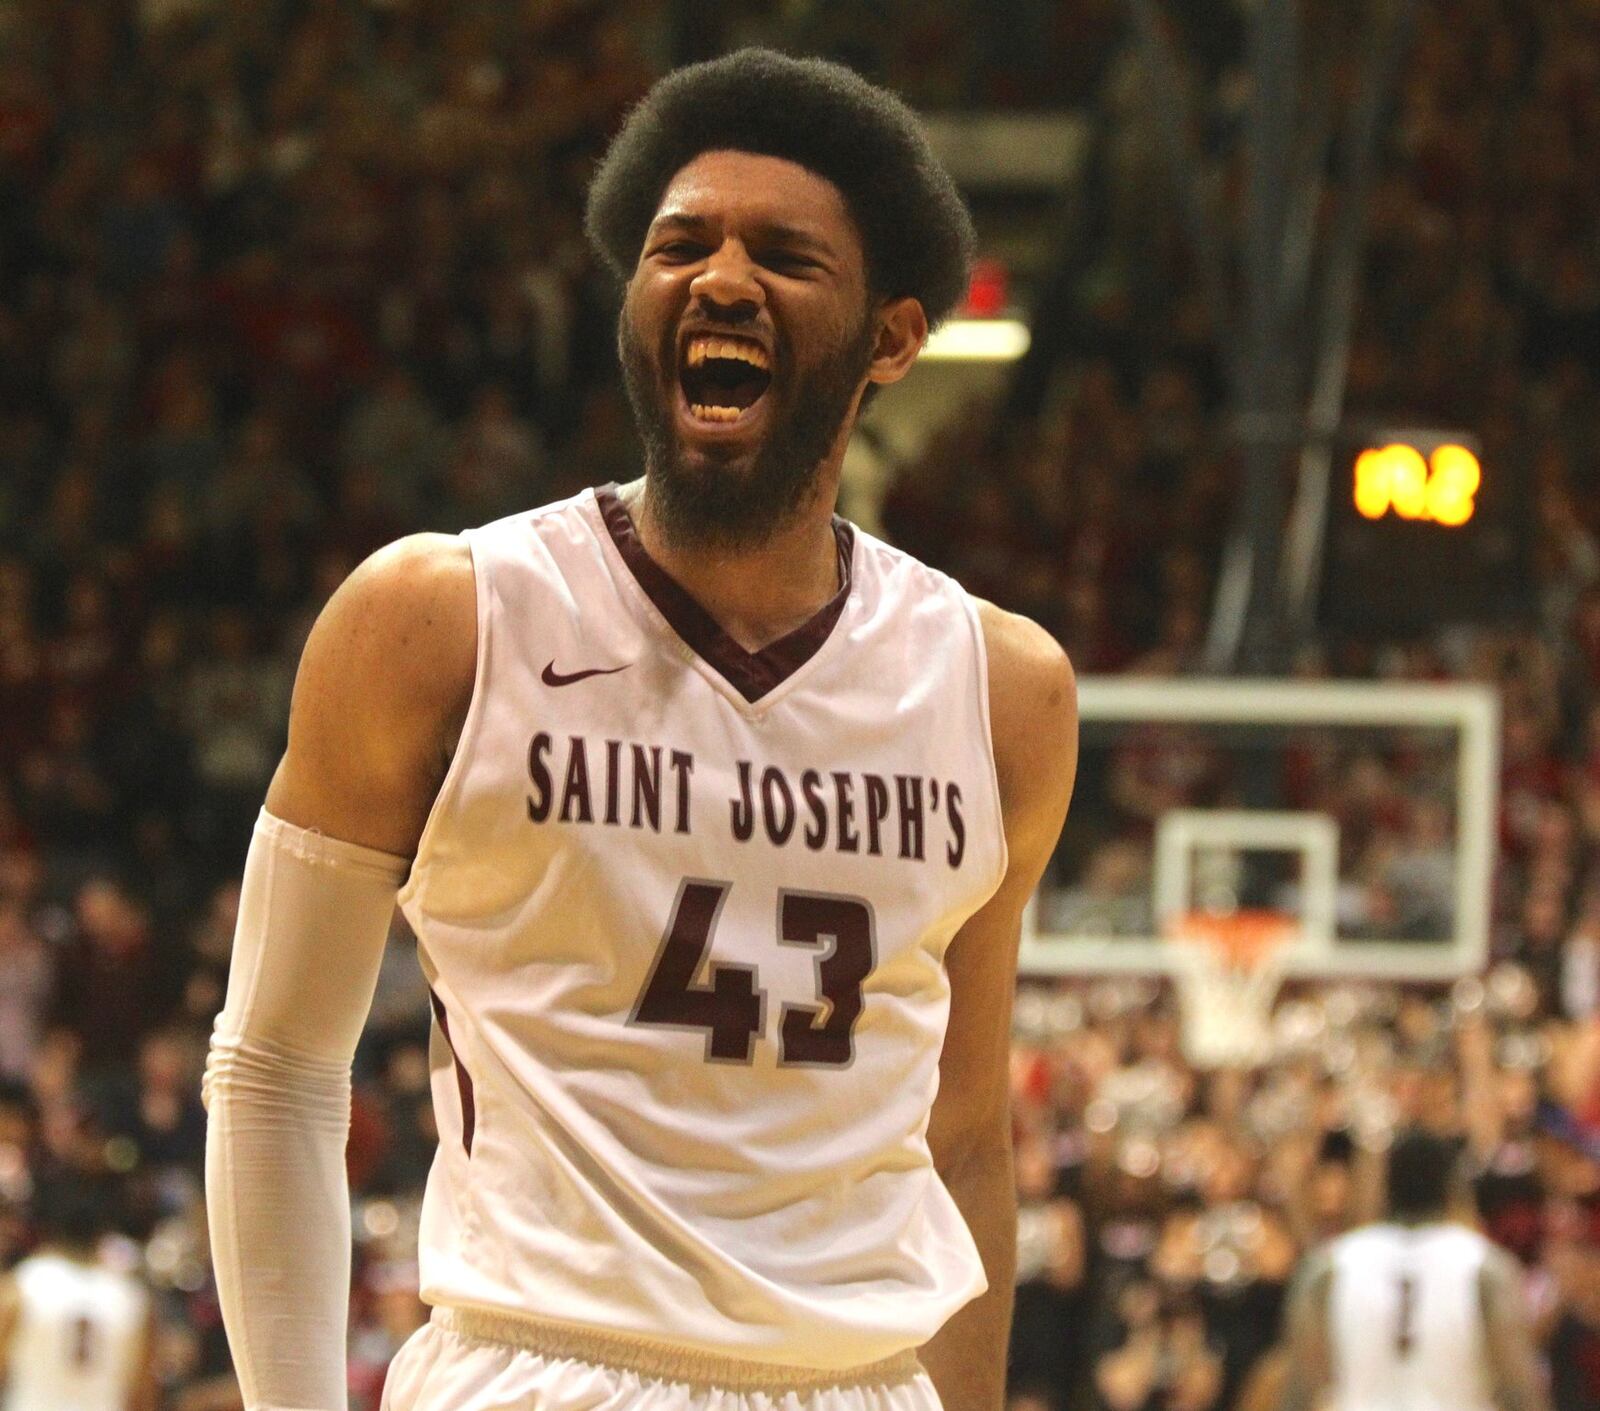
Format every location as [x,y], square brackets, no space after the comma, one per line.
[1415,1314]
[715,819]
[74,1335]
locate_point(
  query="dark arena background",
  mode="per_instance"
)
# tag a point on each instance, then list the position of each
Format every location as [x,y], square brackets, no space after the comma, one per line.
[1276,398]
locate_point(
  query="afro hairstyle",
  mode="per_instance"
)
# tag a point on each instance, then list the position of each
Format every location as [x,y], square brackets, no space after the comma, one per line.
[72,1211]
[914,226]
[1422,1170]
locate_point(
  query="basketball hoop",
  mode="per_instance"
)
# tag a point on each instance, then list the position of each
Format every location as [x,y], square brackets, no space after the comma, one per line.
[1229,970]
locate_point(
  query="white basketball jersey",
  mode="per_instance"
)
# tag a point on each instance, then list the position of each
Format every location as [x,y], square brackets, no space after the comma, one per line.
[1406,1320]
[79,1337]
[684,910]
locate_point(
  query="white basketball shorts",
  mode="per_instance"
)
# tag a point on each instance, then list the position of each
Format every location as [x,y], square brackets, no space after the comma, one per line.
[469,1361]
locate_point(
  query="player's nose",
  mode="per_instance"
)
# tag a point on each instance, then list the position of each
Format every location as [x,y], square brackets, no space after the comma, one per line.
[727,285]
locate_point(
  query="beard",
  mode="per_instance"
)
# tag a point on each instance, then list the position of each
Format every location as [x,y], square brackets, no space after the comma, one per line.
[715,504]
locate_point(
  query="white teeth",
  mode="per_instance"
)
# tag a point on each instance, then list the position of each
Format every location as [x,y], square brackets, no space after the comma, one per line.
[702,348]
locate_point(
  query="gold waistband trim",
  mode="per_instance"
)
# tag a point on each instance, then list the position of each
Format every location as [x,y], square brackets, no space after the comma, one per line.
[666,1361]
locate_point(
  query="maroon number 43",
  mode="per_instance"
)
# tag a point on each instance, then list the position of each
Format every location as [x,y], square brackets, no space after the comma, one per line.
[729,1006]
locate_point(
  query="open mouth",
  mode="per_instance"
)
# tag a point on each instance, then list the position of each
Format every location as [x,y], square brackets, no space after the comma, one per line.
[722,377]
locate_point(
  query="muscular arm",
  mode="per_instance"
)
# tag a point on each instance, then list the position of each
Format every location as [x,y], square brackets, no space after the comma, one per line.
[1034,722]
[1480,1093]
[10,1309]
[1310,1360]
[145,1394]
[382,688]
[1513,1362]
[381,693]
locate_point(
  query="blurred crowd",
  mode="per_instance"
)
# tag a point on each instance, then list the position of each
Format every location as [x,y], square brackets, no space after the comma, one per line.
[1165,1204]
[280,282]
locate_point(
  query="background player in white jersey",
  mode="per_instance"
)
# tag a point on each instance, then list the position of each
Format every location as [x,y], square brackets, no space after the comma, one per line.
[74,1334]
[716,820]
[1418,1313]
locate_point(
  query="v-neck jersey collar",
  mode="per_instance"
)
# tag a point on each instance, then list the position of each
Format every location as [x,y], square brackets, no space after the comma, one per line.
[752,674]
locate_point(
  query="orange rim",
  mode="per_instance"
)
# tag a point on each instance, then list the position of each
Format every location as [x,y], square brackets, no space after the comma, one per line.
[1244,937]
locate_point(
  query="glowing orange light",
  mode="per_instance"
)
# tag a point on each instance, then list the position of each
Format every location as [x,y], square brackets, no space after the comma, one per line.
[1453,484]
[1441,488]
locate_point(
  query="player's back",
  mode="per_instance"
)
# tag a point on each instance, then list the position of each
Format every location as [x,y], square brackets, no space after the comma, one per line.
[1406,1322]
[78,1339]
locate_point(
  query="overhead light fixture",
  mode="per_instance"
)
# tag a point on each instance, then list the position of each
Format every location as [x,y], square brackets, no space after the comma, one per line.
[978,340]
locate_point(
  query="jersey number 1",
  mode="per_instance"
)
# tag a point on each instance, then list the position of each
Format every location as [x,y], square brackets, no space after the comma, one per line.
[1405,1330]
[83,1343]
[730,1007]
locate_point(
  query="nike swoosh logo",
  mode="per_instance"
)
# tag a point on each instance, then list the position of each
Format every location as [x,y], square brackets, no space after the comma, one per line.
[551,677]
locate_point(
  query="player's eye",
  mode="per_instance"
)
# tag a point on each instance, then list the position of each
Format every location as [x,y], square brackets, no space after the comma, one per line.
[788,262]
[680,251]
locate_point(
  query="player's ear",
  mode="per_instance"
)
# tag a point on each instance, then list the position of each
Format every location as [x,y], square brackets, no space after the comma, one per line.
[902,330]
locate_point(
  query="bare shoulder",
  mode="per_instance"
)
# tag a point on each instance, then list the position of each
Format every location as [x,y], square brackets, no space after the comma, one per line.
[1315,1271]
[1509,1339]
[1306,1326]
[1500,1285]
[1033,713]
[416,593]
[1021,650]
[383,686]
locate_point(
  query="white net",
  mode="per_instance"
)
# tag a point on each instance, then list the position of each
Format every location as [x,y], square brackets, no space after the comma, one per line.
[1227,969]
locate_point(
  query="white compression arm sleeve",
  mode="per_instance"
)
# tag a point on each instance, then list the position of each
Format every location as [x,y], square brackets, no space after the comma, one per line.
[314,914]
